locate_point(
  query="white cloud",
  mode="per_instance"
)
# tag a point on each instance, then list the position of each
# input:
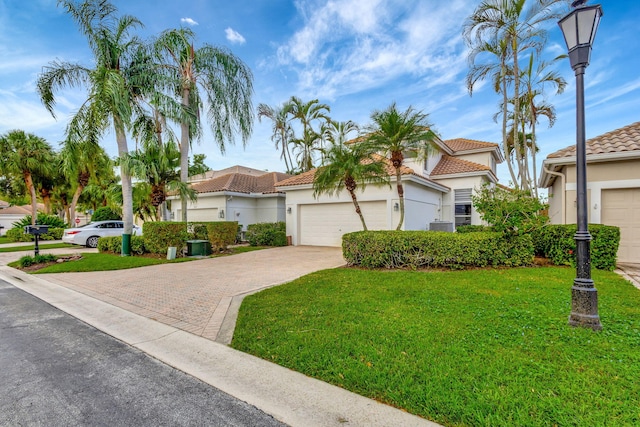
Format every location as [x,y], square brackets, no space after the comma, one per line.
[234,37]
[353,45]
[188,21]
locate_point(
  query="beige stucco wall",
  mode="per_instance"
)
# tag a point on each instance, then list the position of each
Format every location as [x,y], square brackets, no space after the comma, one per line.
[448,201]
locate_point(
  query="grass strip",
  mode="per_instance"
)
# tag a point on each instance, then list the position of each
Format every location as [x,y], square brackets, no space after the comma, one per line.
[462,348]
[31,248]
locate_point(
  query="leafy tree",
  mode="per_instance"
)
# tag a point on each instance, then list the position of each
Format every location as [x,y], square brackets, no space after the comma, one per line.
[105,213]
[25,154]
[349,167]
[394,133]
[197,166]
[209,78]
[509,210]
[111,97]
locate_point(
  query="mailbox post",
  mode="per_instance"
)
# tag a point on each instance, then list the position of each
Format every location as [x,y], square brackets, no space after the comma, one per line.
[36,231]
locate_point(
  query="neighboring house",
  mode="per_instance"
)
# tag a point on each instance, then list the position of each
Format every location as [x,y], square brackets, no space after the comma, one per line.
[613,186]
[437,196]
[235,194]
[11,214]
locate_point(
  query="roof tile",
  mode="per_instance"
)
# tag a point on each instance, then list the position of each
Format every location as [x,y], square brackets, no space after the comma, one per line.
[464,144]
[450,165]
[626,138]
[240,183]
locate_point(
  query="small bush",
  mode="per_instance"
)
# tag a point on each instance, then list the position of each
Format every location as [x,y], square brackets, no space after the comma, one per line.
[137,245]
[414,249]
[53,234]
[555,242]
[28,261]
[105,213]
[267,234]
[160,235]
[18,235]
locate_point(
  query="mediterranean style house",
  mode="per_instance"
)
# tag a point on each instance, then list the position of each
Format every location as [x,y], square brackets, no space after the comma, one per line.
[613,185]
[437,196]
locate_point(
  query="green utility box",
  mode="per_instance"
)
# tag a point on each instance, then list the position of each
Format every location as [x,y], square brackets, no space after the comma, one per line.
[198,248]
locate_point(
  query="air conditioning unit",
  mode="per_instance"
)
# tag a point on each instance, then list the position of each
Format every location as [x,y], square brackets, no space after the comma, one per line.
[441,226]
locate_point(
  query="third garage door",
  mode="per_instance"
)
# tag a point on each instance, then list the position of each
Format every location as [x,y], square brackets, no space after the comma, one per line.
[323,224]
[621,207]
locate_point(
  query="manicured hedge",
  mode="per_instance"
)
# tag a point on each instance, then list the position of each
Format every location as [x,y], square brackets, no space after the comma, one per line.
[160,235]
[17,234]
[555,242]
[414,249]
[267,234]
[473,228]
[219,233]
[113,244]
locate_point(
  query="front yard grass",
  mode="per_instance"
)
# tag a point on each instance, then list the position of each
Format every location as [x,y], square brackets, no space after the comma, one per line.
[30,248]
[462,348]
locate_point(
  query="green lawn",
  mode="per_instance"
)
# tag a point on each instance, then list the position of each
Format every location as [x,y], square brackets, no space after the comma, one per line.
[462,348]
[30,248]
[4,239]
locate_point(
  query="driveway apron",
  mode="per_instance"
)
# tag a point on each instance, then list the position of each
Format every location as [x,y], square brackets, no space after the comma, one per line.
[195,296]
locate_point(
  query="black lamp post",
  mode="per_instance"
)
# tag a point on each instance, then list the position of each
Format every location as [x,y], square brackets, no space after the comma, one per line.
[579,29]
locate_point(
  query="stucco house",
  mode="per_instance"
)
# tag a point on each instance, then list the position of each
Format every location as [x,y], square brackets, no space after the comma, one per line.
[437,196]
[237,193]
[613,185]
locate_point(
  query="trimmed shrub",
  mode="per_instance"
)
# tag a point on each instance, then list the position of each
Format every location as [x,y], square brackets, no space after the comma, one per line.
[414,249]
[53,234]
[473,228]
[267,234]
[18,235]
[222,234]
[555,242]
[105,213]
[137,245]
[160,235]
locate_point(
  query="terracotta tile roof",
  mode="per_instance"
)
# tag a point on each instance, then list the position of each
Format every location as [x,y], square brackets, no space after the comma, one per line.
[307,177]
[463,144]
[450,165]
[240,183]
[617,141]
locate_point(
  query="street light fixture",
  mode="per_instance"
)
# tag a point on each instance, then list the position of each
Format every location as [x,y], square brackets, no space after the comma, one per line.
[579,29]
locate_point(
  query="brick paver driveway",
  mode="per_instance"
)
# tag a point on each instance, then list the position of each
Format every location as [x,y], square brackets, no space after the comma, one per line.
[195,296]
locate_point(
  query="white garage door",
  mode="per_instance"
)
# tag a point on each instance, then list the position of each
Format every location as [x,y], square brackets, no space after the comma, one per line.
[210,214]
[324,224]
[621,207]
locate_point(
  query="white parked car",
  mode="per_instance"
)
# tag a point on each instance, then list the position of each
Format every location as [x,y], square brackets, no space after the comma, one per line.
[88,234]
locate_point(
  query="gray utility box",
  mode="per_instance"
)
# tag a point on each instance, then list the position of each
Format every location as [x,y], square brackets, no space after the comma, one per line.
[198,248]
[441,226]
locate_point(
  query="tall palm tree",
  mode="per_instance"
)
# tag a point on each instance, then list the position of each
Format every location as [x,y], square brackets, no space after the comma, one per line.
[281,131]
[111,97]
[520,26]
[349,167]
[337,133]
[395,133]
[25,155]
[209,78]
[308,114]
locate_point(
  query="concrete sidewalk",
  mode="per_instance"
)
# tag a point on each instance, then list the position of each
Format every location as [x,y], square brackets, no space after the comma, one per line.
[196,302]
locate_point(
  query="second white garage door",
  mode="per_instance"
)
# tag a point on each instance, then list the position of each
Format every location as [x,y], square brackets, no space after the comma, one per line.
[621,207]
[324,224]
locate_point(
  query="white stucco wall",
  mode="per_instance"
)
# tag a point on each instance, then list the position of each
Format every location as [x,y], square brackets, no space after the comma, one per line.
[448,202]
[7,221]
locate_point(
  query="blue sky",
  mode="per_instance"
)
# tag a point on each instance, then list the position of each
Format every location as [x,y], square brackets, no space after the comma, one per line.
[355,55]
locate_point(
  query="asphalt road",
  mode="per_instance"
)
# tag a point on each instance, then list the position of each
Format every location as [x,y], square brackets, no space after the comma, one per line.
[57,370]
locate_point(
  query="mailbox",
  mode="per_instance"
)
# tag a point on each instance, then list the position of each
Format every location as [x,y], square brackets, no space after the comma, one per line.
[36,230]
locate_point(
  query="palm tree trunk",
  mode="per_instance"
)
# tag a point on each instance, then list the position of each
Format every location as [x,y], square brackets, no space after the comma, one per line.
[184,153]
[358,210]
[504,130]
[533,155]
[127,188]
[400,197]
[34,200]
[74,203]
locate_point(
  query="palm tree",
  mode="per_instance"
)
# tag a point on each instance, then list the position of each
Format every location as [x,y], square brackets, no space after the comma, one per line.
[308,113]
[349,166]
[82,161]
[337,133]
[395,133]
[111,97]
[281,130]
[25,154]
[208,77]
[518,26]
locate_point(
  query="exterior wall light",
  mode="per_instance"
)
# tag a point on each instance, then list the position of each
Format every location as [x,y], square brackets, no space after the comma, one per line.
[221,213]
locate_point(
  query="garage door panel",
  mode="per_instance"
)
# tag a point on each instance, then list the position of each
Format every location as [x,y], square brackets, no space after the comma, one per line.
[621,207]
[323,224]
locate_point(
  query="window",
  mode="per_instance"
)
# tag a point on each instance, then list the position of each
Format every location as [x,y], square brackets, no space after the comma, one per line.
[463,206]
